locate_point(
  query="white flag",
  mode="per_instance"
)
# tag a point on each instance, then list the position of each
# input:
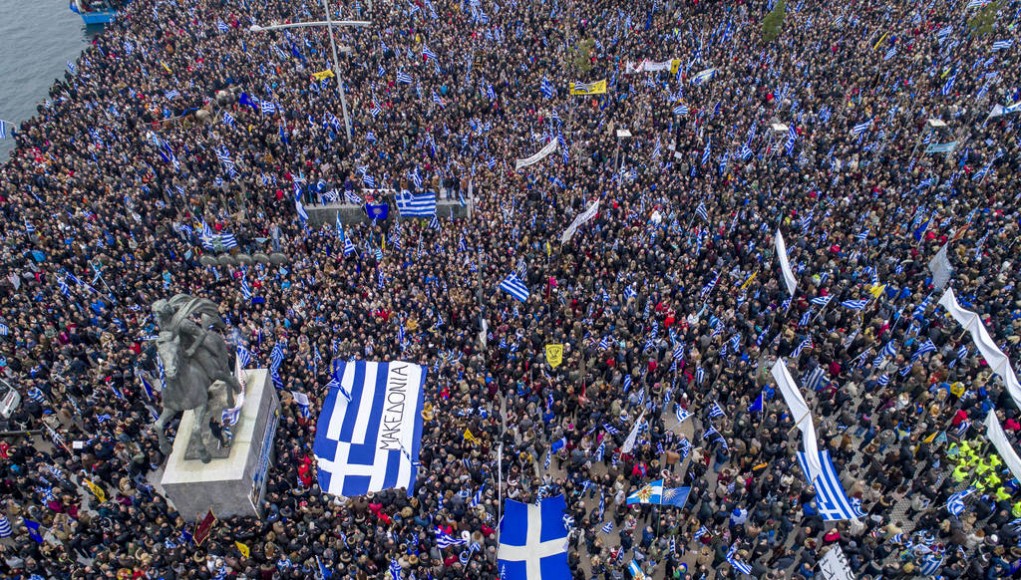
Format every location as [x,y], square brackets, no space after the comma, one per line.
[998,362]
[785,265]
[632,437]
[589,213]
[995,434]
[940,267]
[802,416]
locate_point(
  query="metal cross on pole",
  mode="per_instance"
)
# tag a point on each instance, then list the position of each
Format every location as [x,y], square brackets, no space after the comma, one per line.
[329,23]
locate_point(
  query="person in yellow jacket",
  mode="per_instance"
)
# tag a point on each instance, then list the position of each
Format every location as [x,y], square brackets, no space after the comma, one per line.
[960,472]
[1015,510]
[1002,494]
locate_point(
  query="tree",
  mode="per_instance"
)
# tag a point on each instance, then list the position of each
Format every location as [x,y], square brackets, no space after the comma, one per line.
[772,24]
[983,20]
[580,55]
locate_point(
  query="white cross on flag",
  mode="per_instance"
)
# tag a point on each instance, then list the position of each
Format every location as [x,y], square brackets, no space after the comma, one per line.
[533,541]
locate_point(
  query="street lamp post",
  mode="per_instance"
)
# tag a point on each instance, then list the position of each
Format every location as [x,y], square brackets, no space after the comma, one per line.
[329,23]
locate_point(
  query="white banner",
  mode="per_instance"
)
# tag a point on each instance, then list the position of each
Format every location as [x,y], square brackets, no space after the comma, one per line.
[549,148]
[802,416]
[632,68]
[940,267]
[995,434]
[589,213]
[999,110]
[788,276]
[998,362]
[833,565]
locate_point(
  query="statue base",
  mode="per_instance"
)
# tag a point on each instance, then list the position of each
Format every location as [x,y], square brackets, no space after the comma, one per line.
[233,483]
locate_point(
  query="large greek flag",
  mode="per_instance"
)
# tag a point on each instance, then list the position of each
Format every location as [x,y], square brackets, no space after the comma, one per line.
[831,500]
[533,541]
[370,428]
[411,205]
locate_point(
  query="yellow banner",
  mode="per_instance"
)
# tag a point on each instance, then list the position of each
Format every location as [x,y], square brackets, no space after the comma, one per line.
[469,437]
[323,74]
[674,65]
[245,551]
[596,88]
[554,354]
[96,491]
[749,280]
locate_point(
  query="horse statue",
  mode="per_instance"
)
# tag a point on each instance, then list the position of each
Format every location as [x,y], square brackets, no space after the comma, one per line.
[194,359]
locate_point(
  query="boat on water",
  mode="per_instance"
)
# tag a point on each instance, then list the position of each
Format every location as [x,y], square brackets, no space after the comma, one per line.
[96,11]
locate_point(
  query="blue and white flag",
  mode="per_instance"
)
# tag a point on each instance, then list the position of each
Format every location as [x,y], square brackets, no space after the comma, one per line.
[955,503]
[831,500]
[1002,45]
[739,566]
[822,300]
[533,541]
[636,572]
[676,496]
[370,441]
[421,205]
[855,304]
[515,287]
[5,527]
[816,379]
[651,493]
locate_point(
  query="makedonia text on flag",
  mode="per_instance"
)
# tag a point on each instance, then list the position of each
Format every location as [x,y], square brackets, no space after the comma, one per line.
[370,428]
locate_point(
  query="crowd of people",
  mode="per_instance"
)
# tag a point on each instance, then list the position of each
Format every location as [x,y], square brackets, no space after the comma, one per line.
[670,301]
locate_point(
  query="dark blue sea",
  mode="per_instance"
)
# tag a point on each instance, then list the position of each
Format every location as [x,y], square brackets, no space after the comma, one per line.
[36,41]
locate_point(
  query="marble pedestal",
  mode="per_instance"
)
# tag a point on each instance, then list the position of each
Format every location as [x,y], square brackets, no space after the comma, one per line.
[231,485]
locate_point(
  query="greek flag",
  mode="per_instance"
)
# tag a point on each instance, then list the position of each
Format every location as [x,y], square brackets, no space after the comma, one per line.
[6,530]
[861,128]
[715,410]
[955,503]
[228,119]
[428,53]
[267,107]
[370,441]
[515,287]
[375,110]
[807,343]
[3,129]
[890,53]
[815,379]
[949,85]
[855,304]
[680,110]
[831,501]
[533,540]
[702,212]
[395,570]
[822,300]
[608,527]
[221,26]
[707,152]
[546,88]
[710,285]
[1002,45]
[404,78]
[411,205]
[792,137]
[738,565]
[926,348]
[445,540]
[931,564]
